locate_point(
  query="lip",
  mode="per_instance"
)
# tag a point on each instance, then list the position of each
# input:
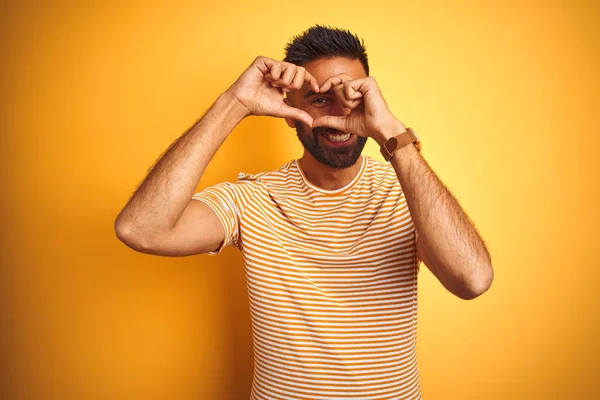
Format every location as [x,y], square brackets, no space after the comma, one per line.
[339,144]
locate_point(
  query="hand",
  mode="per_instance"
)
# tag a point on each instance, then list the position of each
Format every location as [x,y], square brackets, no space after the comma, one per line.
[260,88]
[370,115]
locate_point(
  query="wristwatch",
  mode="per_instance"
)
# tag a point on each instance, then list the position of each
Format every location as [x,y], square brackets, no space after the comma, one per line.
[390,146]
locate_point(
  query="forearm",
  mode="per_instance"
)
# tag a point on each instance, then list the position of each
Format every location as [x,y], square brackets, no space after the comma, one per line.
[163,195]
[459,256]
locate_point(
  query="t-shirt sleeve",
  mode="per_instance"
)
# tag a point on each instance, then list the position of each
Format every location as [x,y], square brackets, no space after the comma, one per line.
[223,198]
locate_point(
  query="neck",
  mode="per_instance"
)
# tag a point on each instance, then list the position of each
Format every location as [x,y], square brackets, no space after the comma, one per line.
[326,177]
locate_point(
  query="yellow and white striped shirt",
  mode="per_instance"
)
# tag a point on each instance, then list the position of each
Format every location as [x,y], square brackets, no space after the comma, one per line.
[332,282]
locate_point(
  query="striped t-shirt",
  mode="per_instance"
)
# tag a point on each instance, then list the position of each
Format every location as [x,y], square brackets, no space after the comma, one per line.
[332,282]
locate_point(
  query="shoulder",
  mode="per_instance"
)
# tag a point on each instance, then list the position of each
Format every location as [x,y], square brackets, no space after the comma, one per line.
[381,173]
[280,176]
[379,167]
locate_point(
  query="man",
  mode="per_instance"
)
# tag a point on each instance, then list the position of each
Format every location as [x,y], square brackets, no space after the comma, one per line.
[330,240]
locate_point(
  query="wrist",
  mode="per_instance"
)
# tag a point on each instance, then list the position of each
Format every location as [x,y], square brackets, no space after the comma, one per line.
[234,105]
[389,130]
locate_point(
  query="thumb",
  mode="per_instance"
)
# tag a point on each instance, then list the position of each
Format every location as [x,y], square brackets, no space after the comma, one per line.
[330,121]
[294,113]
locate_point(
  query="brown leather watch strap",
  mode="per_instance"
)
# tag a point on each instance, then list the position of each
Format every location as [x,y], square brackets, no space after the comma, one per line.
[402,139]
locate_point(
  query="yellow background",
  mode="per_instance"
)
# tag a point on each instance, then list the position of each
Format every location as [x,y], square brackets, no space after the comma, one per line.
[504,95]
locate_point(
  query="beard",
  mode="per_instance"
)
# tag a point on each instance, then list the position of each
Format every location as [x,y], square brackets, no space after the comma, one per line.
[334,157]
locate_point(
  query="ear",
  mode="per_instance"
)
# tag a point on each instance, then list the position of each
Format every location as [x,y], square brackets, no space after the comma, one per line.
[291,123]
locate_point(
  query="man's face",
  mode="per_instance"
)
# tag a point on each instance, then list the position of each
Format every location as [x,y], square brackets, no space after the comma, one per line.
[315,141]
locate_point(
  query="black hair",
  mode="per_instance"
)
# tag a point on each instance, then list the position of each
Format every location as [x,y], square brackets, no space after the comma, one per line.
[320,41]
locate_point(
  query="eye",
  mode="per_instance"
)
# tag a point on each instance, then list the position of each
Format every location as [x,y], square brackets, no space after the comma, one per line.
[314,101]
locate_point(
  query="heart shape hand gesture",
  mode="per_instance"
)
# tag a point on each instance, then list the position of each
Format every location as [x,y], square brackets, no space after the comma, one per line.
[370,115]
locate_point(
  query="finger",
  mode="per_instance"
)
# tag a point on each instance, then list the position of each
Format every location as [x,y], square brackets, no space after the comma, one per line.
[329,83]
[334,80]
[355,97]
[286,78]
[286,111]
[298,80]
[351,92]
[264,64]
[340,94]
[361,86]
[287,75]
[312,81]
[354,103]
[330,121]
[275,70]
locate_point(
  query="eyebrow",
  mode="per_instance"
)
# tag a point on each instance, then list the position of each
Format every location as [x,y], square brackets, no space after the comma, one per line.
[311,93]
